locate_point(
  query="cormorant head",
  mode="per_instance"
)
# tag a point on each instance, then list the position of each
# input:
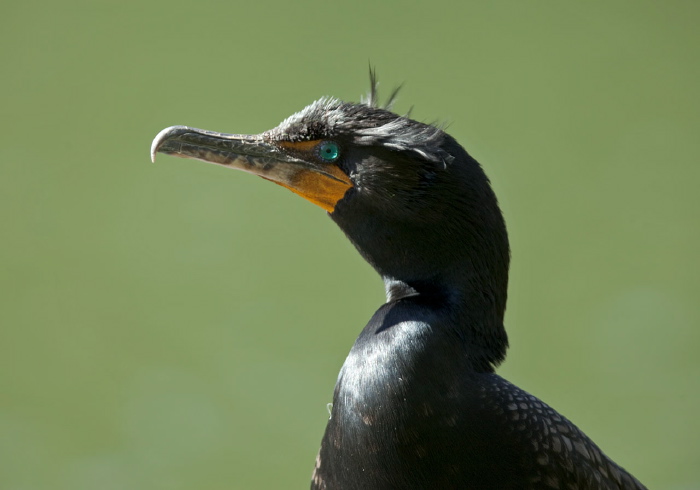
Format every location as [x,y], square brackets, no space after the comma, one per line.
[418,208]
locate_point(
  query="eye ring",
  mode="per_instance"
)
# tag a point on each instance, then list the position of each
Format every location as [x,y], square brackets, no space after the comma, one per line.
[328,151]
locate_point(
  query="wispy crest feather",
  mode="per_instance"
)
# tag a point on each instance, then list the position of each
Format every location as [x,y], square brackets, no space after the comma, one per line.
[372,98]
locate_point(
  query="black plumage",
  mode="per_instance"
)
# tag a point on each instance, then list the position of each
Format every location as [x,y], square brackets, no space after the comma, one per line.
[417,403]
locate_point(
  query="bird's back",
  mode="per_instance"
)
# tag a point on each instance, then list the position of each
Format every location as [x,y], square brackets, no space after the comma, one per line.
[554,452]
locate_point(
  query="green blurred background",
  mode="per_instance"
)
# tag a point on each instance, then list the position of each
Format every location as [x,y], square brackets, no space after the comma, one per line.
[180,325]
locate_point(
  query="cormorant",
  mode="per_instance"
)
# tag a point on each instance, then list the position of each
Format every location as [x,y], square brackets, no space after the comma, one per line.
[417,404]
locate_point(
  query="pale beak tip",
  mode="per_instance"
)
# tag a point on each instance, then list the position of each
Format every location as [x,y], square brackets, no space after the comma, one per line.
[160,137]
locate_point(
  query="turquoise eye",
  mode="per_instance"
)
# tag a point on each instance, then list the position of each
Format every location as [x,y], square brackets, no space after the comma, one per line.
[329,151]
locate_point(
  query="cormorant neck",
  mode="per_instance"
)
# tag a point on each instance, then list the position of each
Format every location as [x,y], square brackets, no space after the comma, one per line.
[438,240]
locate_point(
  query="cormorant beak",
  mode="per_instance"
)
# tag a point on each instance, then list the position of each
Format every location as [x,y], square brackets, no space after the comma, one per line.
[291,165]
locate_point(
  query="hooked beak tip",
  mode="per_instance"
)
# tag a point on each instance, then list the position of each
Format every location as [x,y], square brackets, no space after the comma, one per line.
[161,137]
